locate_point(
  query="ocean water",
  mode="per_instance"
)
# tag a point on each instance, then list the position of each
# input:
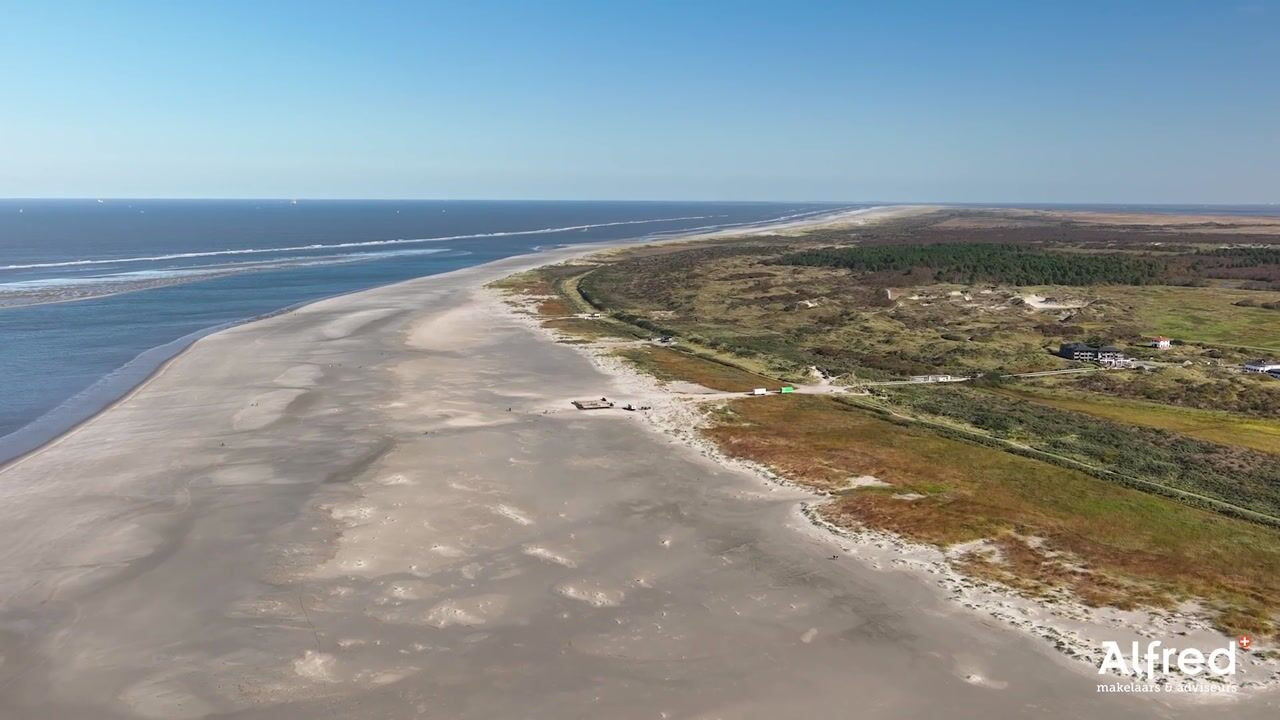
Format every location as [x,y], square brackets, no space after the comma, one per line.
[94,295]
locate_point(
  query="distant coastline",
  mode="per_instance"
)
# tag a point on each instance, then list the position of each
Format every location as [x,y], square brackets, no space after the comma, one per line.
[120,374]
[126,379]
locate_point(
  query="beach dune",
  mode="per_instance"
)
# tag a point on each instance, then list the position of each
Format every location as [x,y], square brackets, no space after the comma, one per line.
[383,506]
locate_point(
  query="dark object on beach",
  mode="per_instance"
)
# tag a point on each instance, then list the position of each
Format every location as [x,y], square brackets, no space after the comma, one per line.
[628,407]
[600,404]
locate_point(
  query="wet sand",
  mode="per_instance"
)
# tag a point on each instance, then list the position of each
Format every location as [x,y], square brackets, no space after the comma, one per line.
[383,506]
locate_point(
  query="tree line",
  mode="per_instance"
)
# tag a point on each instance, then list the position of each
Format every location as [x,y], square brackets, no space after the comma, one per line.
[1245,256]
[986,262]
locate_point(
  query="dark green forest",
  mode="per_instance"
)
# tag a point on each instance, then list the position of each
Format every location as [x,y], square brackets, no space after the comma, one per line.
[1247,256]
[987,262]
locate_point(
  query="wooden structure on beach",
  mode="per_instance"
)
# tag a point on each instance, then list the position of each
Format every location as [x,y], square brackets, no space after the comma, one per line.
[600,404]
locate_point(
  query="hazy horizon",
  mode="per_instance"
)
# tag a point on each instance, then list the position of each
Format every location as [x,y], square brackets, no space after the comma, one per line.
[696,200]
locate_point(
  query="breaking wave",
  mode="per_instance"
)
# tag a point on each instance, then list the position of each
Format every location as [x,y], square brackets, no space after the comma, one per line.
[333,246]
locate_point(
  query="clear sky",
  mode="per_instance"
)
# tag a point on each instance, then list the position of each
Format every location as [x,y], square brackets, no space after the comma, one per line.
[1022,101]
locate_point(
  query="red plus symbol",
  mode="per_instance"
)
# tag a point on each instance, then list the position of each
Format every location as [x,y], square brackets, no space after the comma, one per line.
[1245,641]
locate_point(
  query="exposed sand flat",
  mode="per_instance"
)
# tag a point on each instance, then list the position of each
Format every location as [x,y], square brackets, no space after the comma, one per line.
[380,537]
[344,325]
[264,409]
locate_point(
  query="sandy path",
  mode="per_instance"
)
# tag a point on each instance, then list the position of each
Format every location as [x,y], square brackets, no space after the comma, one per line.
[333,513]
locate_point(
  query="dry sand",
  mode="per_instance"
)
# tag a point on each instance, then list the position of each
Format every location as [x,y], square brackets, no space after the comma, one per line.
[383,506]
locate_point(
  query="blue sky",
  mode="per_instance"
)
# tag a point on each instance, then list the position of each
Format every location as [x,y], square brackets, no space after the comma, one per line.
[949,101]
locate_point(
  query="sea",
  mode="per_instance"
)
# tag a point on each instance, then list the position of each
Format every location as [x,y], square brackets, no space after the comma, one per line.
[96,294]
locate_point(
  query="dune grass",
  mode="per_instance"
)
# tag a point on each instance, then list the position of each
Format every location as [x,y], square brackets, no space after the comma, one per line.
[1208,425]
[1057,528]
[590,330]
[668,364]
[1207,315]
[1124,547]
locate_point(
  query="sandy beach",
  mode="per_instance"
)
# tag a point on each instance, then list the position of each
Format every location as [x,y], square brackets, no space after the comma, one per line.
[382,505]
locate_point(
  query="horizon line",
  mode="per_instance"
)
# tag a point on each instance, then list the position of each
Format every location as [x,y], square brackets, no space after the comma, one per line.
[971,203]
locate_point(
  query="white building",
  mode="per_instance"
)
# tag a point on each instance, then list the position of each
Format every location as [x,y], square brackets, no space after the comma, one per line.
[1161,343]
[1262,366]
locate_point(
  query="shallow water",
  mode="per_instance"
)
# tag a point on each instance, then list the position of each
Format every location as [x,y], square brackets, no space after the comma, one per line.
[181,269]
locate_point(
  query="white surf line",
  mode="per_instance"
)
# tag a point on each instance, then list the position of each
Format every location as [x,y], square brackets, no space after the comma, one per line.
[197,272]
[330,246]
[762,225]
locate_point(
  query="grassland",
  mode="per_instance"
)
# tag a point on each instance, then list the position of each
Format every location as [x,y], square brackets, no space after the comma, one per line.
[670,364]
[1213,426]
[556,301]
[1203,387]
[790,319]
[1233,480]
[1204,315]
[1095,483]
[738,300]
[1123,547]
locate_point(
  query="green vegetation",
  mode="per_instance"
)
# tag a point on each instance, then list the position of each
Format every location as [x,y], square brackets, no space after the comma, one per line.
[986,262]
[1122,547]
[589,329]
[1029,263]
[553,287]
[1200,388]
[787,319]
[1251,303]
[1209,425]
[669,364]
[1206,315]
[1231,475]
[1247,256]
[1126,487]
[983,261]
